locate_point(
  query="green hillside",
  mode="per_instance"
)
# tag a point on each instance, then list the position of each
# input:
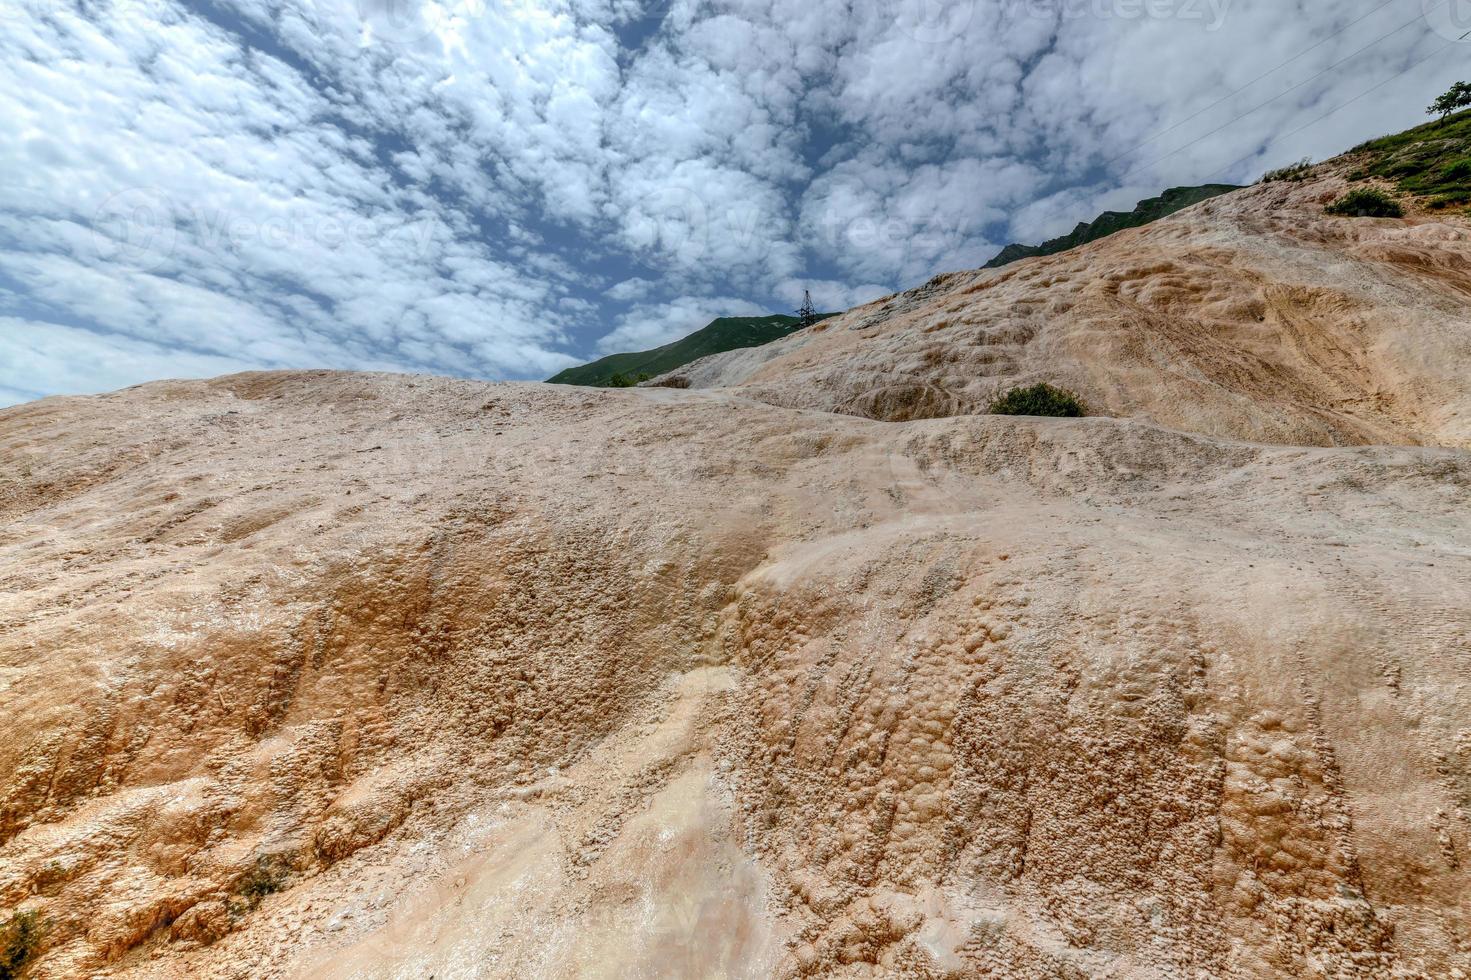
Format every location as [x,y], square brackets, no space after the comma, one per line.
[726,333]
[1432,162]
[1152,209]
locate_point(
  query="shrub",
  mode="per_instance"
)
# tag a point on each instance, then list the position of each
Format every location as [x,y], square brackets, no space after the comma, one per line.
[1443,201]
[621,380]
[1366,203]
[1038,399]
[1459,171]
[20,937]
[1293,172]
[266,877]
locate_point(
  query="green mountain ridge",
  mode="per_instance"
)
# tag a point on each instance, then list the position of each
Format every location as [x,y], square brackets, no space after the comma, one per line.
[719,335]
[1146,211]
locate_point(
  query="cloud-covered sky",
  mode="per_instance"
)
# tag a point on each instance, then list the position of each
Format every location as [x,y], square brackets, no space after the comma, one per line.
[502,188]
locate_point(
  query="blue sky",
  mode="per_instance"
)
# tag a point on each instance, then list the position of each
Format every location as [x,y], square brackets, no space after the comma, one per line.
[500,190]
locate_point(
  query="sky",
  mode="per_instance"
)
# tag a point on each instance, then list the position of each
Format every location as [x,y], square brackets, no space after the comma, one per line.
[500,189]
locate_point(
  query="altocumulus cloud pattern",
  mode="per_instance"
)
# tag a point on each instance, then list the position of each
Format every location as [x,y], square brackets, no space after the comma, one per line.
[502,189]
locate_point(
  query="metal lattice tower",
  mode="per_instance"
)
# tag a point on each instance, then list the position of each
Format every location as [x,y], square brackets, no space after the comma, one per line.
[808,312]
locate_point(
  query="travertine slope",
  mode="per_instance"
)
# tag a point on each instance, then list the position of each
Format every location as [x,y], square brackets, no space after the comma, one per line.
[1251,316]
[333,675]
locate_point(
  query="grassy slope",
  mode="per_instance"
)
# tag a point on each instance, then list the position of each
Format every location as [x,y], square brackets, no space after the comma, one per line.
[1151,209]
[726,333]
[1432,161]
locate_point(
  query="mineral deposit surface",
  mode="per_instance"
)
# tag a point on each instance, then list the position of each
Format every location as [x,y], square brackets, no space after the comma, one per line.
[806,670]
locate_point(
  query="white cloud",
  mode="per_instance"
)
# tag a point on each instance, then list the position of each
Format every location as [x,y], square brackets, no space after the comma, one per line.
[828,295]
[427,186]
[653,325]
[1058,213]
[630,289]
[49,358]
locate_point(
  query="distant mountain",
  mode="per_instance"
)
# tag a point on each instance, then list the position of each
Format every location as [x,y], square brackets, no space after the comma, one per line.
[726,333]
[1172,200]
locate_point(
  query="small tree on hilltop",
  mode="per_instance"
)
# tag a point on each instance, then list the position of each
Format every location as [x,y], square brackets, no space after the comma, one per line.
[1457,97]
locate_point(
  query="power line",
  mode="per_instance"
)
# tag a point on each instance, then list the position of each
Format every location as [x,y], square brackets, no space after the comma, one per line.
[1231,95]
[1314,122]
[1263,105]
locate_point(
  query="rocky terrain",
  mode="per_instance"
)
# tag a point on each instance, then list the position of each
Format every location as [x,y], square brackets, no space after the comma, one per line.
[807,670]
[1251,316]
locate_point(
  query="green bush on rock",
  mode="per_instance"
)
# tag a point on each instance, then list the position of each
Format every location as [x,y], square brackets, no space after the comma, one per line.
[1366,203]
[1038,399]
